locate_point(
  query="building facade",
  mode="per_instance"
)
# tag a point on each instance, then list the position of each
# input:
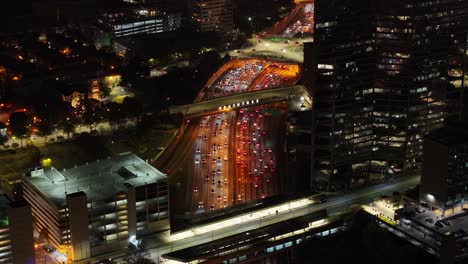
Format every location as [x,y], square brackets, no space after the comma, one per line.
[211,15]
[16,233]
[338,68]
[444,177]
[383,74]
[99,207]
[139,21]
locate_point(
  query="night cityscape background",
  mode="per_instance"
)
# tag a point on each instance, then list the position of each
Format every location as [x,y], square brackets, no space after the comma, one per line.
[233,131]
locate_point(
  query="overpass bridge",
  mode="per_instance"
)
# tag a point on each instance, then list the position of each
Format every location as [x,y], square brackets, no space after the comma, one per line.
[166,243]
[298,98]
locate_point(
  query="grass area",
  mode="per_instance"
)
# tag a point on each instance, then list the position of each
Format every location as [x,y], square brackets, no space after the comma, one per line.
[178,181]
[13,164]
[78,152]
[147,145]
[119,99]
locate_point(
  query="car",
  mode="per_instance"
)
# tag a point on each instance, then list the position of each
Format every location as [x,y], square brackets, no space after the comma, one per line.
[205,138]
[48,248]
[198,150]
[197,161]
[212,191]
[195,189]
[200,205]
[207,178]
[211,207]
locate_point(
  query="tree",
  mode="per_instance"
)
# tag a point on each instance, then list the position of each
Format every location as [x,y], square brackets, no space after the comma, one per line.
[114,114]
[45,129]
[18,125]
[69,128]
[3,139]
[136,257]
[131,107]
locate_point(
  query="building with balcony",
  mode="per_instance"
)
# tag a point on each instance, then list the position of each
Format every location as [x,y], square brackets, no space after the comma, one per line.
[98,207]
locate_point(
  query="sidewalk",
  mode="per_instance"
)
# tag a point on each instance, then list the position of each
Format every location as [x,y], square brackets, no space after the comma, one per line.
[59,135]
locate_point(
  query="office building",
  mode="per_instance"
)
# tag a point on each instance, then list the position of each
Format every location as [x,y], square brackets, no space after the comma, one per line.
[420,46]
[16,232]
[139,21]
[383,74]
[444,180]
[98,207]
[211,15]
[338,67]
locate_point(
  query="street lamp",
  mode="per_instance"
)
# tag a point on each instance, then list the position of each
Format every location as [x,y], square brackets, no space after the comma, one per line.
[251,24]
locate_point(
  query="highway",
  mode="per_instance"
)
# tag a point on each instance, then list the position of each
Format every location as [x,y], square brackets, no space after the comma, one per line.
[246,75]
[164,243]
[228,158]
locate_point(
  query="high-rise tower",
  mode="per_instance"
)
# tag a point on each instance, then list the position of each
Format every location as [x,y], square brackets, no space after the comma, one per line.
[211,15]
[383,74]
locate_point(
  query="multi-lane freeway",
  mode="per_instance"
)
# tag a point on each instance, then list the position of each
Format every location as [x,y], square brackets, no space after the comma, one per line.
[229,157]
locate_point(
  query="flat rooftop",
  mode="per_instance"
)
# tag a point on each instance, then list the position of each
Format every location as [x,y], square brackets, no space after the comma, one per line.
[100,180]
[454,224]
[449,135]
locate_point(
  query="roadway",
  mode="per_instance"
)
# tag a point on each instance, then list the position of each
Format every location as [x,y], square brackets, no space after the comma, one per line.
[163,243]
[246,75]
[228,158]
